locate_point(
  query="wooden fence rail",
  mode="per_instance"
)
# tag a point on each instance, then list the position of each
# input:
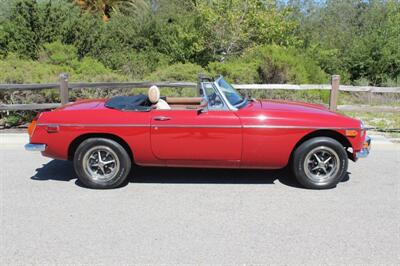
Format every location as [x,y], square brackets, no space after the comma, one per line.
[65,86]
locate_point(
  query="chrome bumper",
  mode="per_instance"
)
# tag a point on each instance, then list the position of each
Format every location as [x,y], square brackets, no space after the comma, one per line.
[35,147]
[365,150]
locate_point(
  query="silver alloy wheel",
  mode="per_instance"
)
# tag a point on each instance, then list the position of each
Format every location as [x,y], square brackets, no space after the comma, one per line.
[101,163]
[321,164]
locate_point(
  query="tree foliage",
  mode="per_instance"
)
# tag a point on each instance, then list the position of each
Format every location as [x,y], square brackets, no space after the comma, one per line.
[270,64]
[106,7]
[356,38]
[255,40]
[231,26]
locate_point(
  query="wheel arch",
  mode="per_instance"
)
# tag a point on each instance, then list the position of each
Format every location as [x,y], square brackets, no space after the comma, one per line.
[323,133]
[78,140]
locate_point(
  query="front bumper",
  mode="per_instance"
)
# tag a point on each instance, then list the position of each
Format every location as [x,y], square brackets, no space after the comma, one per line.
[366,148]
[35,147]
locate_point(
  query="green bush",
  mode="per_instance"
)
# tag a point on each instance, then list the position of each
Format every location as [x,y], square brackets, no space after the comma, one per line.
[91,70]
[54,61]
[237,71]
[29,24]
[330,61]
[177,72]
[3,41]
[310,96]
[135,65]
[91,67]
[15,70]
[270,64]
[13,120]
[57,53]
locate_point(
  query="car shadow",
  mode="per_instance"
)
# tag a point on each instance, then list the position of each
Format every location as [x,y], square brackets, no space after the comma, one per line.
[210,176]
[55,170]
[63,171]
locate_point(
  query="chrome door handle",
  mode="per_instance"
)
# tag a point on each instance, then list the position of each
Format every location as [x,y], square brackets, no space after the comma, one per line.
[162,118]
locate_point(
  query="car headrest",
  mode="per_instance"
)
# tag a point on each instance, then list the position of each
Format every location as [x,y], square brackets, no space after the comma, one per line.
[154,94]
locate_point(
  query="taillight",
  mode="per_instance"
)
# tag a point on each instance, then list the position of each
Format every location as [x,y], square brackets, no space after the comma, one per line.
[32,126]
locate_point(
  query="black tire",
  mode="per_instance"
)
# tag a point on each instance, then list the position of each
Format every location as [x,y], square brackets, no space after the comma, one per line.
[309,167]
[103,174]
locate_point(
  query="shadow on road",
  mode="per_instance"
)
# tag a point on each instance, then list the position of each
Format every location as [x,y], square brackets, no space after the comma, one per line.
[211,176]
[64,171]
[55,170]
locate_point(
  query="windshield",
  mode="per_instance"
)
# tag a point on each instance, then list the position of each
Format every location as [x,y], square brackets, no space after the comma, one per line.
[230,93]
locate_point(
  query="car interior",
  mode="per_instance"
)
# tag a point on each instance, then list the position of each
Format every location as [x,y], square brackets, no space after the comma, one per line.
[153,100]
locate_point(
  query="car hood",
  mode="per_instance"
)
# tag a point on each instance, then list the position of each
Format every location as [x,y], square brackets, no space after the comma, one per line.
[289,113]
[292,106]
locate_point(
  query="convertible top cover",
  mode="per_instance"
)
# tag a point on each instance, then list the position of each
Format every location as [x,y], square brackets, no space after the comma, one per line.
[129,103]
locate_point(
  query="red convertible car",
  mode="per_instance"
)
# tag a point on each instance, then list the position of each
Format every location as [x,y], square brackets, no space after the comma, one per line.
[220,128]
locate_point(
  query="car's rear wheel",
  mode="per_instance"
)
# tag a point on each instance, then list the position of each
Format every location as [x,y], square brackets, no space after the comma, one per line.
[101,163]
[320,163]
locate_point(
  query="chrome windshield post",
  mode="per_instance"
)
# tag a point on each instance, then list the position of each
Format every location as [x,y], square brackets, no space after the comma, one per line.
[230,106]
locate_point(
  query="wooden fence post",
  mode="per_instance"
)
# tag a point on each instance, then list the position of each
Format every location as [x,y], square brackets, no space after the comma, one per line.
[64,95]
[370,96]
[333,100]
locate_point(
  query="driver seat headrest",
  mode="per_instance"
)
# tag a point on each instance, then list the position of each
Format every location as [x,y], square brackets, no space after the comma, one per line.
[154,94]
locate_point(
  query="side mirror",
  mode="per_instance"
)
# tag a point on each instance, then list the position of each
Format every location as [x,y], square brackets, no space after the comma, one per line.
[203,107]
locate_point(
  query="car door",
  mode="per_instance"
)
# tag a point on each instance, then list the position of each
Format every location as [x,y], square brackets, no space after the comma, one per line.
[211,135]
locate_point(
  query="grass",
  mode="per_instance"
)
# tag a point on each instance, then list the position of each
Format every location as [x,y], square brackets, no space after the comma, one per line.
[386,122]
[365,98]
[379,120]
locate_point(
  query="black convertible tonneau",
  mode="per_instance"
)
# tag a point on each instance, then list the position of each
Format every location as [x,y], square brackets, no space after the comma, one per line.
[129,103]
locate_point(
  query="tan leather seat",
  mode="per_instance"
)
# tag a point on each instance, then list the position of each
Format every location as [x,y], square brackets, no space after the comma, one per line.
[154,98]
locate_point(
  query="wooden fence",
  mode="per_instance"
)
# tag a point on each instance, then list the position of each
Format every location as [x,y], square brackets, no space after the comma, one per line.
[64,87]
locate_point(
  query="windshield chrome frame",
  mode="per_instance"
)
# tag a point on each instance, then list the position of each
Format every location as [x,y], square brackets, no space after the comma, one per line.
[230,106]
[218,92]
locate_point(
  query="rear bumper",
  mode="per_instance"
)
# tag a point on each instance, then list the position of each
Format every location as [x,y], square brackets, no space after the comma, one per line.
[35,147]
[366,148]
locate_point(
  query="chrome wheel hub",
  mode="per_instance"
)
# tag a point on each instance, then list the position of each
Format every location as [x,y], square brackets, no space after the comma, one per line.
[321,164]
[101,163]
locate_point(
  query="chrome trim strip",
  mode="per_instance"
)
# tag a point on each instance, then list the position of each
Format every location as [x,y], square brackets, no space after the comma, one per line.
[199,126]
[97,125]
[143,125]
[35,147]
[298,127]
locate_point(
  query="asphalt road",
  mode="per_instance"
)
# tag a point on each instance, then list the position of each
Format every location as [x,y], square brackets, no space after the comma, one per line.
[197,216]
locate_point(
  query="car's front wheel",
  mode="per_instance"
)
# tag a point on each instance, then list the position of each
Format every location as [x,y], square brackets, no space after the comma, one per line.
[101,163]
[320,163]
